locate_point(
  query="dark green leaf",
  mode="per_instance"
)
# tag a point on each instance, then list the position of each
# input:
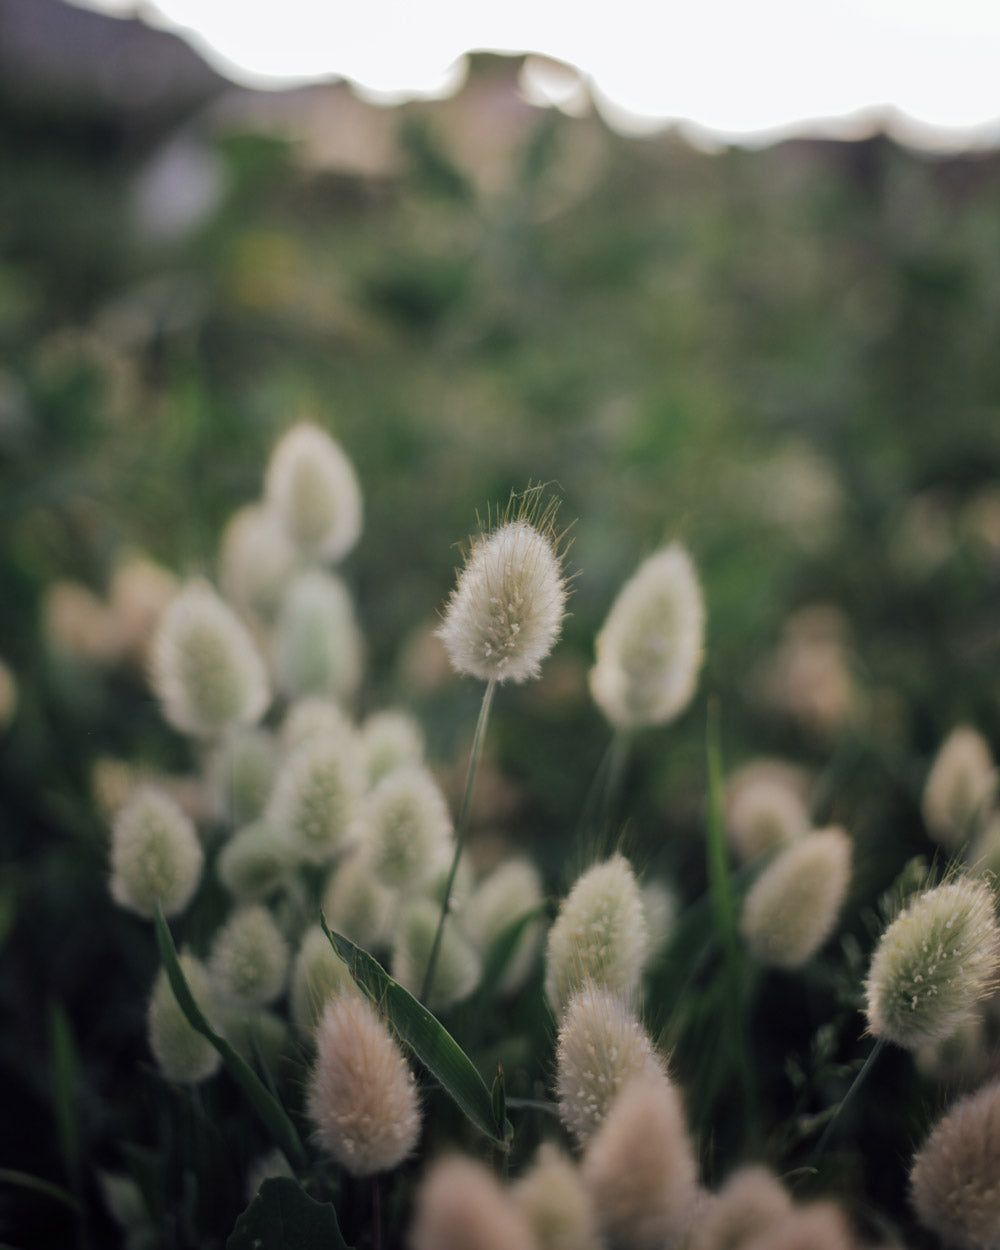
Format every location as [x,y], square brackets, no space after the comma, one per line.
[433,1045]
[284,1217]
[64,1088]
[267,1107]
[38,1185]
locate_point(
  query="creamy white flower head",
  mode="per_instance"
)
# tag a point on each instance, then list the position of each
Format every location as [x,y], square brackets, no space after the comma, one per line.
[960,786]
[551,1197]
[205,667]
[256,559]
[313,488]
[155,854]
[249,959]
[362,1096]
[181,1052]
[318,647]
[766,806]
[506,611]
[649,650]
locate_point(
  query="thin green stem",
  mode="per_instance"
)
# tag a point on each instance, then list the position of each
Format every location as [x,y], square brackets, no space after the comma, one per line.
[856,1084]
[461,829]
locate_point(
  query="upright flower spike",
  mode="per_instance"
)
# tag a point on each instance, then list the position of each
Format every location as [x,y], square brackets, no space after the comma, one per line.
[751,1202]
[362,1096]
[313,488]
[553,1200]
[155,855]
[933,964]
[460,1205]
[793,905]
[182,1053]
[315,799]
[407,827]
[649,650]
[318,648]
[960,786]
[506,611]
[955,1179]
[599,935]
[205,667]
[249,959]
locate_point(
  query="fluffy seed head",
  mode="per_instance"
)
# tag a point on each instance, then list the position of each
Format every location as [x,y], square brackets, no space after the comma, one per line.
[314,716]
[793,905]
[315,800]
[460,1205]
[816,1225]
[357,904]
[659,906]
[313,488]
[407,827]
[649,650]
[601,1047]
[959,787]
[552,1199]
[205,667]
[317,976]
[254,862]
[181,1052]
[751,1201]
[955,1179]
[389,740]
[510,891]
[639,1167]
[765,807]
[362,1096]
[599,934]
[456,973]
[249,958]
[318,647]
[241,773]
[933,964]
[155,855]
[506,611]
[256,560]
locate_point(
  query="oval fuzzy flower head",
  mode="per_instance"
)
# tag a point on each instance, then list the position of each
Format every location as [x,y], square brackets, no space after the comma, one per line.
[312,487]
[205,667]
[793,905]
[600,935]
[506,611]
[649,650]
[955,1179]
[933,965]
[960,786]
[362,1096]
[155,855]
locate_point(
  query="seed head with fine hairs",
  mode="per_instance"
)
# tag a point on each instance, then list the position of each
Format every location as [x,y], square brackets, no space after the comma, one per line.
[155,854]
[461,1205]
[933,964]
[362,1096]
[506,611]
[313,489]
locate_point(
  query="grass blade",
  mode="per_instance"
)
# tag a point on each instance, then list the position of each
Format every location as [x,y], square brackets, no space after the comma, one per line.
[429,1040]
[38,1185]
[267,1107]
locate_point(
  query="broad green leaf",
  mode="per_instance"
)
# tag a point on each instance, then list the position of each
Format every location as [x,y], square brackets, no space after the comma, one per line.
[284,1217]
[267,1107]
[429,1040]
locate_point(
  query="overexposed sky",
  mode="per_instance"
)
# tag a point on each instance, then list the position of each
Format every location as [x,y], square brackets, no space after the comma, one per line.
[740,69]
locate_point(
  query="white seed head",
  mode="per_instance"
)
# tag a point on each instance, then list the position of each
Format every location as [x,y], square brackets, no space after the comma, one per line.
[639,1167]
[205,667]
[314,716]
[407,827]
[313,488]
[792,907]
[389,740]
[553,1201]
[959,788]
[599,935]
[249,958]
[315,800]
[181,1052]
[256,560]
[751,1201]
[358,905]
[460,1205]
[659,906]
[765,807]
[318,647]
[650,648]
[506,611]
[362,1096]
[318,974]
[816,1225]
[256,1033]
[254,862]
[458,967]
[241,773]
[499,901]
[955,1179]
[933,964]
[601,1047]
[155,854]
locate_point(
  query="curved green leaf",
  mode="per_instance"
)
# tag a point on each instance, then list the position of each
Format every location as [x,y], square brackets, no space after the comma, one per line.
[267,1107]
[284,1217]
[429,1040]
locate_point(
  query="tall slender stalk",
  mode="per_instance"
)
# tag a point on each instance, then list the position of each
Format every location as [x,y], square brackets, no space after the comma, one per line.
[856,1084]
[461,829]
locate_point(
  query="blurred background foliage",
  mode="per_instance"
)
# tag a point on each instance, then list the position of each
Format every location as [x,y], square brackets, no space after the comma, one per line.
[786,358]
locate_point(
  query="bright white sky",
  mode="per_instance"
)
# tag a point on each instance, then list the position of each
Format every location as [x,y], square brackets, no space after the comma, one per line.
[741,69]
